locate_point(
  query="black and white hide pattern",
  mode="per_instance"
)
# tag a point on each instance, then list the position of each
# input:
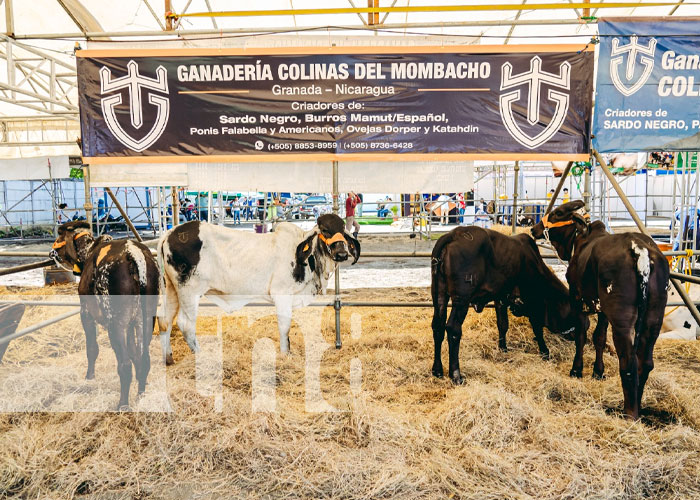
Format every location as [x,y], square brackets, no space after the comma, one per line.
[287,267]
[118,290]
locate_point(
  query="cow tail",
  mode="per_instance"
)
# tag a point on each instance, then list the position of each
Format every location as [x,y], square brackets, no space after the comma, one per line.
[643,269]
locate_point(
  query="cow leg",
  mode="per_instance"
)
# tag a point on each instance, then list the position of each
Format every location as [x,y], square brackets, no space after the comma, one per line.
[440,299]
[600,337]
[502,323]
[283,305]
[537,323]
[582,324]
[166,320]
[454,335]
[142,332]
[149,307]
[187,320]
[645,349]
[623,336]
[92,349]
[117,338]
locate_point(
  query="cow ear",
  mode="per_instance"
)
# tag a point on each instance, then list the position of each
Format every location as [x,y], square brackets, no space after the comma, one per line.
[581,224]
[303,252]
[353,246]
[71,251]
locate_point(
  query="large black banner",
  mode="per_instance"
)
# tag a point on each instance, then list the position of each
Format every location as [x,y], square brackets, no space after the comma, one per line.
[175,103]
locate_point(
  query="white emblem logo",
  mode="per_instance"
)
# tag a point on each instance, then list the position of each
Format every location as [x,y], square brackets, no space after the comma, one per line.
[134,82]
[647,60]
[534,80]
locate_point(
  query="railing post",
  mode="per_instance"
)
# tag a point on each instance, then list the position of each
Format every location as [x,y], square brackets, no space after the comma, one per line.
[336,303]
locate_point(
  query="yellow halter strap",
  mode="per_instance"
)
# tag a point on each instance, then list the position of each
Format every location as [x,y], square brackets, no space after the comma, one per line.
[549,225]
[56,245]
[329,241]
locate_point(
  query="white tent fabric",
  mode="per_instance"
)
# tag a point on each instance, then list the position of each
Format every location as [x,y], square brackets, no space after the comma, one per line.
[40,167]
[369,177]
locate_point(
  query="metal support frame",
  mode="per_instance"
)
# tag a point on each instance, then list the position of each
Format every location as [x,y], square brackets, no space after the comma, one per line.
[38,326]
[26,267]
[33,75]
[175,205]
[514,215]
[336,274]
[633,213]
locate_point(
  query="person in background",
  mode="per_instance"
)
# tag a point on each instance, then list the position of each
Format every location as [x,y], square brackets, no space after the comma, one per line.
[550,194]
[236,210]
[188,205]
[444,205]
[566,196]
[358,208]
[274,205]
[100,208]
[350,203]
[249,209]
[460,207]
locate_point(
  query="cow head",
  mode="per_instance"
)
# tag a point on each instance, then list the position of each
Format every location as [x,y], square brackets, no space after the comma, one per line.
[558,315]
[72,245]
[330,239]
[561,227]
[335,239]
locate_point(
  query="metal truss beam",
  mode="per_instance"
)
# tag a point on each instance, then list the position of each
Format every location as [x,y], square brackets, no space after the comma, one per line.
[277,29]
[37,80]
[38,131]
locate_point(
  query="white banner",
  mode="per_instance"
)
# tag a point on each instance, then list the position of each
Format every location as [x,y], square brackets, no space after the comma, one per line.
[307,177]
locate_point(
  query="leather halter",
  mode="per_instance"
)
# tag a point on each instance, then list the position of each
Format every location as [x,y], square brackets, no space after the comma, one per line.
[333,239]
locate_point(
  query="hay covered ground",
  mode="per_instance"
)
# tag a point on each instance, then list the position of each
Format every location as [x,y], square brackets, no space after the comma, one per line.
[518,428]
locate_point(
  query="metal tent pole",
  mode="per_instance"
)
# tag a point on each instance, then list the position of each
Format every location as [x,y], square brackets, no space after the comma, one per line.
[176,206]
[677,284]
[515,196]
[559,186]
[336,301]
[587,188]
[121,211]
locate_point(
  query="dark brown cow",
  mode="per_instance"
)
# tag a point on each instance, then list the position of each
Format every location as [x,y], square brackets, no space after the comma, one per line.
[623,278]
[474,266]
[119,290]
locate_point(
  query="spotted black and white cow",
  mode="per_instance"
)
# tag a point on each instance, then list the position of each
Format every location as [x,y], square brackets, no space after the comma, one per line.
[118,289]
[621,277]
[232,268]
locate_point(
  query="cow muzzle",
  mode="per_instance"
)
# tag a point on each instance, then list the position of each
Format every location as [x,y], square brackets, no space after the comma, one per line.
[338,246]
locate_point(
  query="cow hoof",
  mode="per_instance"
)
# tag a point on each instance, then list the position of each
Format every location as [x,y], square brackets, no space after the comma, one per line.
[458,379]
[90,376]
[545,355]
[576,373]
[503,348]
[599,376]
[169,359]
[437,373]
[123,408]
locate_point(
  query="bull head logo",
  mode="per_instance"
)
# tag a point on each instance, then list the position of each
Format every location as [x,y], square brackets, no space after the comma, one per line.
[633,48]
[534,80]
[134,82]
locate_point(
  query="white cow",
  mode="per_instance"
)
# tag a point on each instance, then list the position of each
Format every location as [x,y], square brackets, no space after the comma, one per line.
[232,268]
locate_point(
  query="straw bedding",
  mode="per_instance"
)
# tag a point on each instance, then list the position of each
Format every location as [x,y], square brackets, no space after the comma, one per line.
[518,428]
